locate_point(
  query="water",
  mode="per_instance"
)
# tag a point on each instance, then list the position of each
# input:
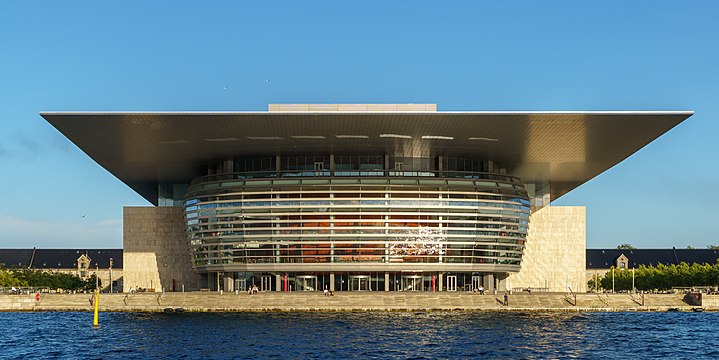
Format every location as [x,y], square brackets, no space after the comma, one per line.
[366,335]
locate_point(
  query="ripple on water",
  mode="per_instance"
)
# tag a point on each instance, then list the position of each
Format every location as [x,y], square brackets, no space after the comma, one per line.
[350,335]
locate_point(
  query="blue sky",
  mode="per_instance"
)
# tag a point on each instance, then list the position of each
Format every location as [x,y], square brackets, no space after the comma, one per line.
[512,55]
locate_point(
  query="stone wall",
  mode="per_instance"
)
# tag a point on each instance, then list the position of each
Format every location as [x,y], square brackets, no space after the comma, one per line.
[155,250]
[555,253]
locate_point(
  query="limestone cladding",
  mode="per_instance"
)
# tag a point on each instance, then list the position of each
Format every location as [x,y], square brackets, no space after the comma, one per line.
[156,254]
[555,253]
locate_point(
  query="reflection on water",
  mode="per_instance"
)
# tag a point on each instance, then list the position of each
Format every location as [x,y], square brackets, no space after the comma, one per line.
[333,335]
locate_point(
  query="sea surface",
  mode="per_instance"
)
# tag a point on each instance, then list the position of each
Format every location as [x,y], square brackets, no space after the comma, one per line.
[411,335]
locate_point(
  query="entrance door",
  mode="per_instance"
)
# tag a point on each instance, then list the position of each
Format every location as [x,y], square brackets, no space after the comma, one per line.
[452,283]
[412,283]
[476,283]
[266,284]
[306,283]
[241,284]
[359,282]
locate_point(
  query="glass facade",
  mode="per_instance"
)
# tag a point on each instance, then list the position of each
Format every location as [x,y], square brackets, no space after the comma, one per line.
[320,212]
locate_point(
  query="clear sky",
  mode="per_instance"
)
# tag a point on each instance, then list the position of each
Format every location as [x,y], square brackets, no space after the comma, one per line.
[499,55]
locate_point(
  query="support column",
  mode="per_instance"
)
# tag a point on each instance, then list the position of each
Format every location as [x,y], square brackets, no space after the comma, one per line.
[502,280]
[440,281]
[488,283]
[278,282]
[332,282]
[386,281]
[229,283]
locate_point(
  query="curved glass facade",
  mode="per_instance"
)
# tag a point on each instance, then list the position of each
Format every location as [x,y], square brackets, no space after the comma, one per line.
[322,220]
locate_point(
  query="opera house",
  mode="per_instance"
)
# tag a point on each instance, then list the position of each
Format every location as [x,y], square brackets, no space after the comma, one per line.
[357,197]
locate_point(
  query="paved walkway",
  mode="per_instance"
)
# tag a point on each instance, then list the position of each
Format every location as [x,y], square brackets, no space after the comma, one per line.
[350,301]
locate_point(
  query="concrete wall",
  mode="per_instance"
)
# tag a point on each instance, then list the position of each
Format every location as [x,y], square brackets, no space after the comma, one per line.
[555,253]
[156,250]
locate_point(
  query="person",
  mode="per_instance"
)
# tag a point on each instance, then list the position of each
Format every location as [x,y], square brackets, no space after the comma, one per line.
[529,290]
[255,290]
[506,299]
[249,290]
[481,290]
[327,291]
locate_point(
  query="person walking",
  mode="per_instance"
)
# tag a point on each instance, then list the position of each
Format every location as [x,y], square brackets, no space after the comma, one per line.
[506,299]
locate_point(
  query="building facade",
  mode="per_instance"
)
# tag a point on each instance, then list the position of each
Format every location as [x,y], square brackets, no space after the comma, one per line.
[357,197]
[106,264]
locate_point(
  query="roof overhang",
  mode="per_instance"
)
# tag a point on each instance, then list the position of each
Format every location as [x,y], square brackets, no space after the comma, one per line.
[564,148]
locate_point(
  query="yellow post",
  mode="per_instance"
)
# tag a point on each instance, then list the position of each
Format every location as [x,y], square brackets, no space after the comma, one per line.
[97,303]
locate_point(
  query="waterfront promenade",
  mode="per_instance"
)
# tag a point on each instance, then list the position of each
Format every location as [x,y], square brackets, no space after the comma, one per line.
[351,301]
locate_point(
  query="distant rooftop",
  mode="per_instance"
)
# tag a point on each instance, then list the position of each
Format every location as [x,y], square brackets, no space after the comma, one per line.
[605,258]
[59,258]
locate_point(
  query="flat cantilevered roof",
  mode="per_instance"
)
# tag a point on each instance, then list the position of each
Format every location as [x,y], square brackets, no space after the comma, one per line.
[564,148]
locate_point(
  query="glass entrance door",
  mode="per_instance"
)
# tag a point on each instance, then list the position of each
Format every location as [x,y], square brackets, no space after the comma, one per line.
[241,284]
[476,283]
[306,283]
[452,283]
[266,284]
[412,283]
[359,282]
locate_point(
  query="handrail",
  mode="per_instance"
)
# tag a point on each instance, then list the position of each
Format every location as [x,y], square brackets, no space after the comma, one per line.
[356,173]
[604,299]
[571,295]
[641,297]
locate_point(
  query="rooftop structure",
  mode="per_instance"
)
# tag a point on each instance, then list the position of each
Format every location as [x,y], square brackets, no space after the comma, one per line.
[563,149]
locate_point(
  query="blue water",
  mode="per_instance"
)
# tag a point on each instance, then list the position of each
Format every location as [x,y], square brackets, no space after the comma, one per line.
[359,335]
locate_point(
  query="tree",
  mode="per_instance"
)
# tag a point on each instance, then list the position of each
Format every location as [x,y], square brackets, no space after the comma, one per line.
[626,247]
[661,277]
[713,247]
[8,278]
[53,280]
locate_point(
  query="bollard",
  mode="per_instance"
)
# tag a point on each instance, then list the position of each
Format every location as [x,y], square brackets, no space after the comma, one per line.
[95,322]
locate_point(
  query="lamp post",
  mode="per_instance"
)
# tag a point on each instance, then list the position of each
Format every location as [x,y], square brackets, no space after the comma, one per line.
[110,275]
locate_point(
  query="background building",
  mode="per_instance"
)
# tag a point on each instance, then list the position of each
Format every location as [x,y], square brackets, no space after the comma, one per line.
[393,197]
[80,262]
[600,261]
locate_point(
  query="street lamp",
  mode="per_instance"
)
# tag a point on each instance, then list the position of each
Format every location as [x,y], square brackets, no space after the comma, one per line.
[110,275]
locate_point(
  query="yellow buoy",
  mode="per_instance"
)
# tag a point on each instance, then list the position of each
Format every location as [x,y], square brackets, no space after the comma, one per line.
[96,302]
